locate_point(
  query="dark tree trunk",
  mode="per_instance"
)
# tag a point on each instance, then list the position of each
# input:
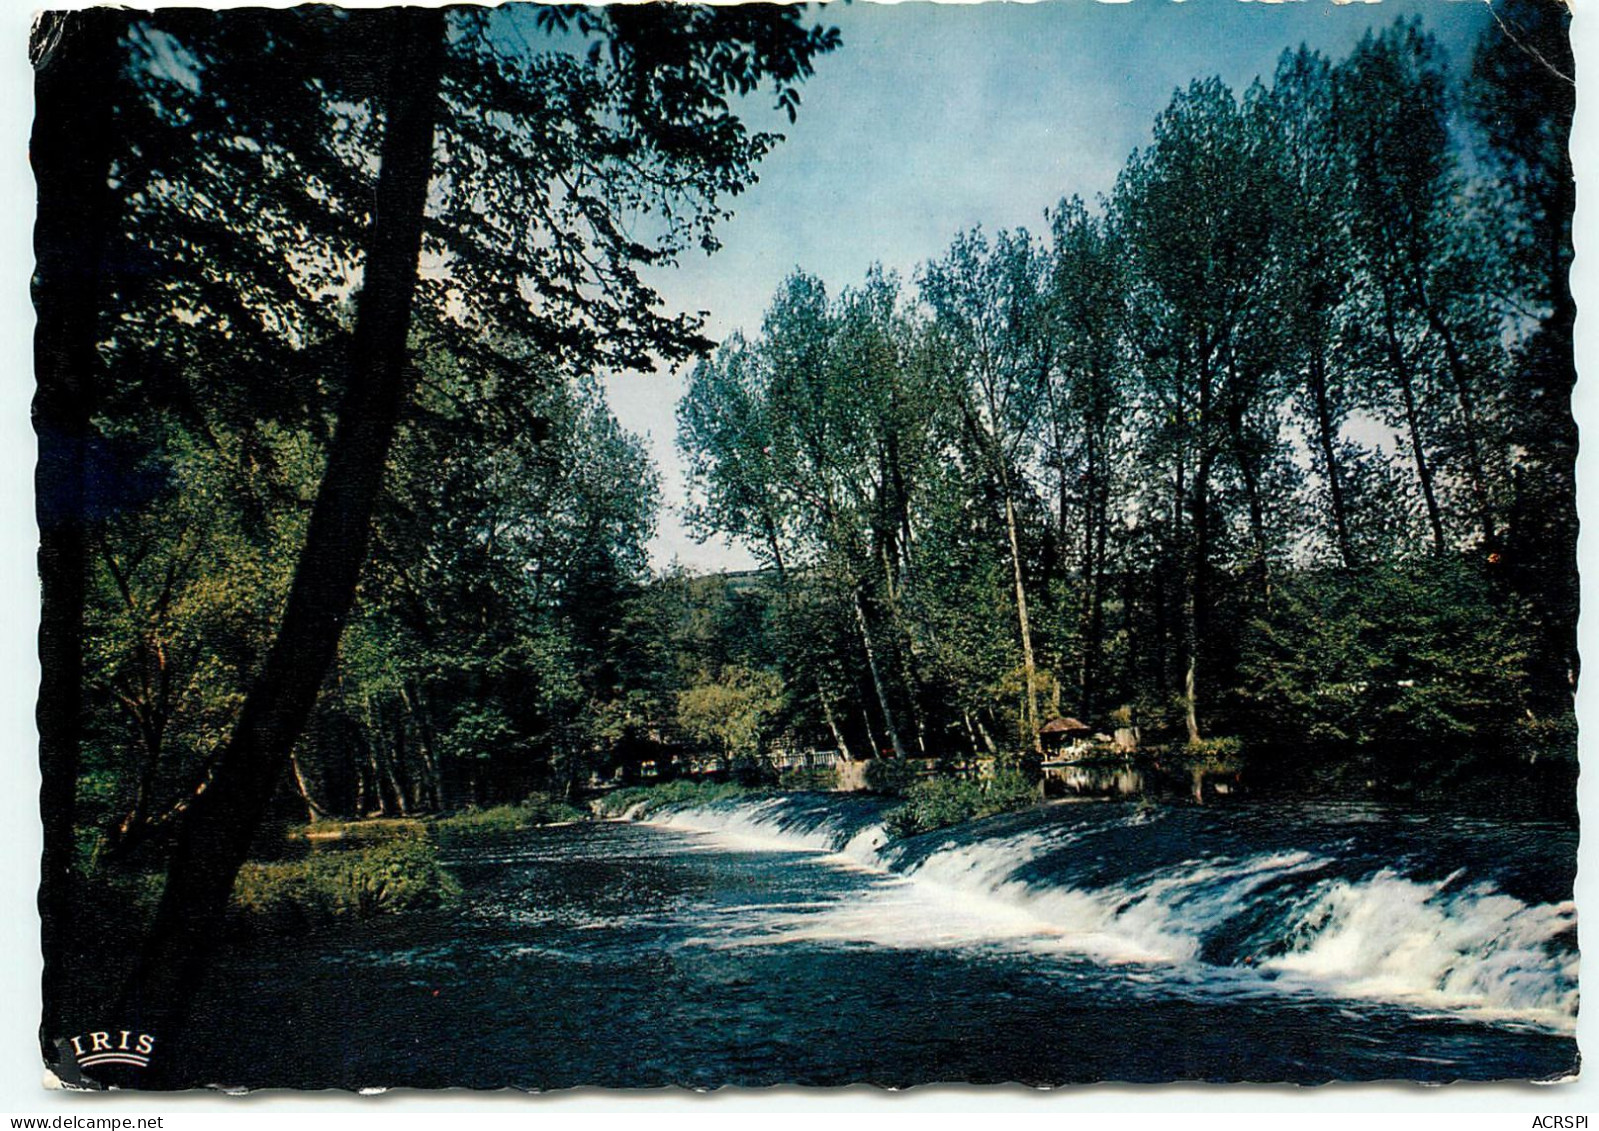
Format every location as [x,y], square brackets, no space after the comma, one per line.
[215,837]
[1407,392]
[1089,607]
[314,811]
[877,678]
[1326,437]
[1194,599]
[75,56]
[1195,575]
[429,790]
[1470,425]
[832,722]
[1092,694]
[1250,472]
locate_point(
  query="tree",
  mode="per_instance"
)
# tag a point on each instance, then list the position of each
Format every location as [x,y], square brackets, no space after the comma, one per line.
[185,587]
[1522,96]
[214,838]
[652,93]
[1086,398]
[733,712]
[1314,255]
[1418,260]
[807,446]
[1145,450]
[70,150]
[1200,270]
[724,433]
[989,310]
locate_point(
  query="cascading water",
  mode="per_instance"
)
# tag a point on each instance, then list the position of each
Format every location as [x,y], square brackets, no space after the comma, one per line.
[787,939]
[1346,902]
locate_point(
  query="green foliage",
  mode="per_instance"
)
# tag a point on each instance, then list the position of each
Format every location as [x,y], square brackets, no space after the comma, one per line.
[1414,655]
[181,601]
[732,713]
[820,779]
[388,878]
[942,801]
[1552,739]
[894,776]
[1210,755]
[528,814]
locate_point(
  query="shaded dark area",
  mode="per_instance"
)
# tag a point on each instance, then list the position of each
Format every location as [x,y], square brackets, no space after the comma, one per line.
[240,208]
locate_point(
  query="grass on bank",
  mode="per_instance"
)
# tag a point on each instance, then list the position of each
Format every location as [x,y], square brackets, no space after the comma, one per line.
[401,874]
[533,812]
[362,869]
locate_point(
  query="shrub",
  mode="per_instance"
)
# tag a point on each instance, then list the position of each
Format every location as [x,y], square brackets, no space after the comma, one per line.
[891,775]
[753,772]
[820,778]
[1212,755]
[396,876]
[528,814]
[941,802]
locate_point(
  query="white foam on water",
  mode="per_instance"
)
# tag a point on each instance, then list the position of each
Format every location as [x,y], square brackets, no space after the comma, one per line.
[865,847]
[1432,945]
[750,826]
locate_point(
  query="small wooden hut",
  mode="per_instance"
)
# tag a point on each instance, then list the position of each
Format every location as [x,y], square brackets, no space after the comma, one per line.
[1062,736]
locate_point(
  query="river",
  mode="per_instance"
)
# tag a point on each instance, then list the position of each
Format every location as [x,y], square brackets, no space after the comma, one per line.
[783,941]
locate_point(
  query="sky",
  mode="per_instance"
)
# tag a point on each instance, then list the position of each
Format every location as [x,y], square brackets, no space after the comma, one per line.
[934,118]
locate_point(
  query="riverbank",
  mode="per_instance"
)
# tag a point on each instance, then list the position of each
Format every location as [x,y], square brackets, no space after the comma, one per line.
[359,869]
[301,880]
[1518,783]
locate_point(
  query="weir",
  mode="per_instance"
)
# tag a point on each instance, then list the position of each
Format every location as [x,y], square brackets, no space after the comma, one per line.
[1339,901]
[787,939]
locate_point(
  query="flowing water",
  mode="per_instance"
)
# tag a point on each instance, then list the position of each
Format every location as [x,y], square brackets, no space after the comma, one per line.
[785,940]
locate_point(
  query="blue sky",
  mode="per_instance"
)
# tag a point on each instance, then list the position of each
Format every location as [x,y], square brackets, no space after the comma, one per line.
[933,118]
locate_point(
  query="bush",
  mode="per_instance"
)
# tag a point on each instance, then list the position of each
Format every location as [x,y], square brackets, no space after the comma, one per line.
[891,775]
[1212,755]
[529,814]
[941,802]
[1548,739]
[647,799]
[821,778]
[396,876]
[753,772]
[368,831]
